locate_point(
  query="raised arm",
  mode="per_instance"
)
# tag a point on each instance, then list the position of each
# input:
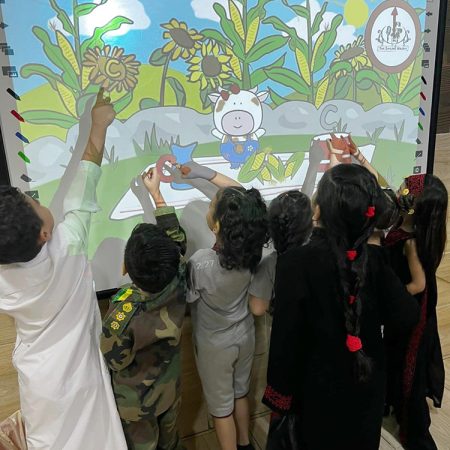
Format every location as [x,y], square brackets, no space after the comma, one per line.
[81,202]
[193,170]
[102,117]
[166,217]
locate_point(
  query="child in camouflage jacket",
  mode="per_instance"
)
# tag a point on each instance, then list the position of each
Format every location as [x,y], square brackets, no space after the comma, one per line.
[142,330]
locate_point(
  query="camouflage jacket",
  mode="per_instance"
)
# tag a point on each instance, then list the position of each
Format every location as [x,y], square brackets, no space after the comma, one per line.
[141,339]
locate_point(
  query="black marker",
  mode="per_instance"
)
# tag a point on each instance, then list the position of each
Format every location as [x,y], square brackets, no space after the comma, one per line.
[13,94]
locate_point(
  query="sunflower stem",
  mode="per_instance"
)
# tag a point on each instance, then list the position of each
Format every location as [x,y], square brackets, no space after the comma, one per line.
[76,38]
[310,49]
[354,85]
[163,80]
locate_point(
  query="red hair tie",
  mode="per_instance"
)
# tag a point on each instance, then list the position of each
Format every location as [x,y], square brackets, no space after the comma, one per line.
[354,343]
[351,299]
[370,212]
[351,255]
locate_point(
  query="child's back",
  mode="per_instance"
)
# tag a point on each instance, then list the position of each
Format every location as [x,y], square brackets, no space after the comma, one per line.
[222,307]
[142,331]
[62,376]
[46,285]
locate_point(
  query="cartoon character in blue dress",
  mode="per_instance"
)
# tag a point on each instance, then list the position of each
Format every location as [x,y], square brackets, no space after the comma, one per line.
[238,116]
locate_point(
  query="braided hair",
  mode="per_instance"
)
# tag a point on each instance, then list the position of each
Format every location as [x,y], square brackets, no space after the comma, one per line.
[290,220]
[242,215]
[348,196]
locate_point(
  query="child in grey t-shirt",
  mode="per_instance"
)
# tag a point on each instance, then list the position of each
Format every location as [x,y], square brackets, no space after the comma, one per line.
[290,225]
[224,333]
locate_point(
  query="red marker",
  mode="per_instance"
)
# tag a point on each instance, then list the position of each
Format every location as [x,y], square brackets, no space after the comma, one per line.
[17,116]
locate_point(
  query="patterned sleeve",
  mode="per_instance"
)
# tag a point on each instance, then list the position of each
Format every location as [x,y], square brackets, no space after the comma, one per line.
[285,343]
[117,340]
[167,220]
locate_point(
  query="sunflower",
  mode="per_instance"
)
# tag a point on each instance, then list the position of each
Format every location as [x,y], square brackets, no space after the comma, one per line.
[112,69]
[210,67]
[355,54]
[184,42]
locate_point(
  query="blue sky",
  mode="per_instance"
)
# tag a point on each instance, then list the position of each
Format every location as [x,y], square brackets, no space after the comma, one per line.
[148,15]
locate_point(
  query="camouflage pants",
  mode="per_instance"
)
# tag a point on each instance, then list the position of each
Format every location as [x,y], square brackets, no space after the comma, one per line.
[155,433]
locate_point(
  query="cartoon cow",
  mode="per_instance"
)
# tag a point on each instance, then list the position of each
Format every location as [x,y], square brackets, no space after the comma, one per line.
[238,118]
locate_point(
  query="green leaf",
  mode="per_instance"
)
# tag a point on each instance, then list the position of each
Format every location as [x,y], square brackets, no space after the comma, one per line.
[318,19]
[44,117]
[323,45]
[158,58]
[369,74]
[257,11]
[180,93]
[215,35]
[55,55]
[342,87]
[340,66]
[147,103]
[63,17]
[38,69]
[298,9]
[123,102]
[392,83]
[259,75]
[279,25]
[206,102]
[288,78]
[277,100]
[246,174]
[229,30]
[86,8]
[96,40]
[411,91]
[364,84]
[265,46]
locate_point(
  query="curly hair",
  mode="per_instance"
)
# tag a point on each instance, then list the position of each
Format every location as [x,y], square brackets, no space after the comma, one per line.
[151,258]
[344,196]
[243,231]
[290,220]
[20,227]
[429,212]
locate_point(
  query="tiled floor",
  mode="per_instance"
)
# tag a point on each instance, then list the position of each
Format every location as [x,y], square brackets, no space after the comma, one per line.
[195,422]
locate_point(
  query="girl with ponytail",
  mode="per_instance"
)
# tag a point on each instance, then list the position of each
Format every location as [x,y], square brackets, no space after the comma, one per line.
[326,361]
[415,366]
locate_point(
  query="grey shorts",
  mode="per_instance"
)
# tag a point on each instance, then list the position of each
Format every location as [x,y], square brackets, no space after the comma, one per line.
[225,373]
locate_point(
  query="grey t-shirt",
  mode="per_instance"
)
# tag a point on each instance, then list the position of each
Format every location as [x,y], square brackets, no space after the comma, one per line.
[219,300]
[263,282]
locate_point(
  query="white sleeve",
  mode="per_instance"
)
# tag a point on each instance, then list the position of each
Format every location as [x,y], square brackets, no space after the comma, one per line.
[79,205]
[193,293]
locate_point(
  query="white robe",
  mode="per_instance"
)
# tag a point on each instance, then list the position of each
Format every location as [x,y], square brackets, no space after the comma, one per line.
[65,390]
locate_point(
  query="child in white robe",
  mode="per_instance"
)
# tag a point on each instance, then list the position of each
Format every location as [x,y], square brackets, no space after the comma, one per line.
[46,285]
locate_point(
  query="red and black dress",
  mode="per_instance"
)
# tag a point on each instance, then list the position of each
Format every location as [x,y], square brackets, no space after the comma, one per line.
[311,371]
[415,365]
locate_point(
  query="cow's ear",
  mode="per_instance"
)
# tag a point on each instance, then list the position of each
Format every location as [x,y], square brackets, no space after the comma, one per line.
[254,90]
[262,96]
[214,97]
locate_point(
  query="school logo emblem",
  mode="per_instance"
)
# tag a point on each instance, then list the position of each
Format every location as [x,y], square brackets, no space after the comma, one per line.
[393,36]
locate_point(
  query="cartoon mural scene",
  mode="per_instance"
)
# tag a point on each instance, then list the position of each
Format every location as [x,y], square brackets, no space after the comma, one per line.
[251,88]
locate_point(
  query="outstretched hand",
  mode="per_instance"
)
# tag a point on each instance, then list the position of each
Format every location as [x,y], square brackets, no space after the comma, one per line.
[103,113]
[152,181]
[193,170]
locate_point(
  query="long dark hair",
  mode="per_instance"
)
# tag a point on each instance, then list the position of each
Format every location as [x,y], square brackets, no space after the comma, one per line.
[429,210]
[348,196]
[290,220]
[242,215]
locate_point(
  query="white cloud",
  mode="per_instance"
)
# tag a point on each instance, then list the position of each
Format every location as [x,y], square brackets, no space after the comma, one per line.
[345,33]
[203,9]
[132,9]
